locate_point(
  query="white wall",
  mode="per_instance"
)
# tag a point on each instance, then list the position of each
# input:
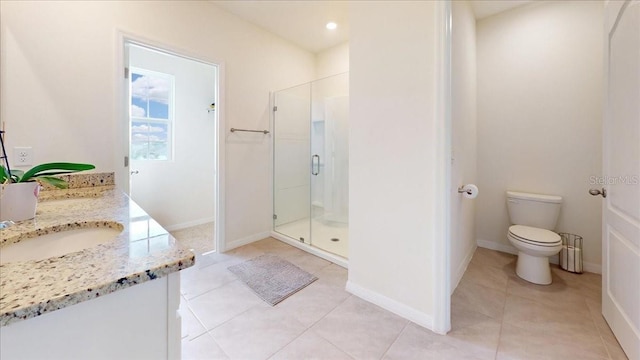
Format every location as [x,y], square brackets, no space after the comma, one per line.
[463,143]
[59,85]
[392,147]
[332,61]
[539,116]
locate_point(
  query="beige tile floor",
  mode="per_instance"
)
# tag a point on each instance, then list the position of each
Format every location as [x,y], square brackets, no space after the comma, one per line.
[198,238]
[495,315]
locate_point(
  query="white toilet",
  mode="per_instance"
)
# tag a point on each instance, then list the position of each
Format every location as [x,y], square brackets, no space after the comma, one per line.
[534,217]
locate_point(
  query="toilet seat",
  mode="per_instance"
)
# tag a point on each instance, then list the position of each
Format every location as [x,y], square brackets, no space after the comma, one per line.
[534,236]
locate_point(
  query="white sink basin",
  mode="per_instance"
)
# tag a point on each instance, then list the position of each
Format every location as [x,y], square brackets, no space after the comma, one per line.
[56,244]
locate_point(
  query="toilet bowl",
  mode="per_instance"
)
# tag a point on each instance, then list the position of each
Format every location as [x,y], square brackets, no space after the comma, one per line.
[534,246]
[533,217]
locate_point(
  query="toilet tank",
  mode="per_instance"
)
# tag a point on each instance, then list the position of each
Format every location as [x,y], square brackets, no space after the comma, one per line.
[535,210]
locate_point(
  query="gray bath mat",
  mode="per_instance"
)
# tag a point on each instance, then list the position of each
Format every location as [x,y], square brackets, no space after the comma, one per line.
[272,278]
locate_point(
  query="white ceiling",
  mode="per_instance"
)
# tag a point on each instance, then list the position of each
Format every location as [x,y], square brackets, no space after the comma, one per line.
[303,21]
[485,8]
[299,21]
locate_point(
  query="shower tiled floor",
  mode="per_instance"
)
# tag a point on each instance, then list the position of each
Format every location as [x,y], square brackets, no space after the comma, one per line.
[323,232]
[495,315]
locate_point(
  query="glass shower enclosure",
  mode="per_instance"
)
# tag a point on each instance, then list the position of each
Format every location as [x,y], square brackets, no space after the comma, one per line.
[311,163]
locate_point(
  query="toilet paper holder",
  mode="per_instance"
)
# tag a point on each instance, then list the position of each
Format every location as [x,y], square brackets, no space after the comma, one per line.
[469,191]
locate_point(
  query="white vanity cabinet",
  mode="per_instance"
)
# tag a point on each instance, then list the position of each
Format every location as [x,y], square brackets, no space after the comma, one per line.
[139,322]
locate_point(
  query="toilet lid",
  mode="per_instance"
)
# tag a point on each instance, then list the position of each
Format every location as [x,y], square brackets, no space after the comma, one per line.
[535,235]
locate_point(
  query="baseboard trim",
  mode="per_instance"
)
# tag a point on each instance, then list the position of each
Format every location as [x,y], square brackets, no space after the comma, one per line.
[592,268]
[492,245]
[461,270]
[246,240]
[394,306]
[189,224]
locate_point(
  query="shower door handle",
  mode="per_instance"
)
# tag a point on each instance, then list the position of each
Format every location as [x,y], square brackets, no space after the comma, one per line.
[315,165]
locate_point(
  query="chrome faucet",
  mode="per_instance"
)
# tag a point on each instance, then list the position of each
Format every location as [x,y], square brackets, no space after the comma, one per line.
[6,224]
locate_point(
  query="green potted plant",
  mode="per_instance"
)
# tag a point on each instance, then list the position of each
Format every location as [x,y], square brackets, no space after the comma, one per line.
[19,190]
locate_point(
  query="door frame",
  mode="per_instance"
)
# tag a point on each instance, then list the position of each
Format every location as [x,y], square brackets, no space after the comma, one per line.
[122,174]
[443,195]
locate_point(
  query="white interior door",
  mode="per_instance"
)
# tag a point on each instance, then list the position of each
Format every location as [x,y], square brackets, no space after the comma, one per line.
[621,167]
[173,137]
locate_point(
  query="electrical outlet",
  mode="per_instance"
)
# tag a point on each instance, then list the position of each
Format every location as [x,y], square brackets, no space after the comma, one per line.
[22,156]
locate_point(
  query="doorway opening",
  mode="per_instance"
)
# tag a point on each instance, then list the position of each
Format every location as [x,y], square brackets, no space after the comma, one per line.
[173,148]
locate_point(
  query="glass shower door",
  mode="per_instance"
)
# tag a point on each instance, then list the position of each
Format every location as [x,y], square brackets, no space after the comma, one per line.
[291,179]
[330,164]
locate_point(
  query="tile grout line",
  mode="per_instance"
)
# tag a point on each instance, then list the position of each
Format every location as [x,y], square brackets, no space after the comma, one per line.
[602,340]
[308,328]
[320,319]
[322,268]
[329,341]
[222,285]
[208,331]
[218,344]
[325,315]
[396,339]
[600,332]
[212,264]
[222,323]
[287,344]
[607,354]
[330,311]
[504,306]
[210,290]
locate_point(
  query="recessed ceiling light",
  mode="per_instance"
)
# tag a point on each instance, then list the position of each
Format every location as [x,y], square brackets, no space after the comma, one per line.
[331,25]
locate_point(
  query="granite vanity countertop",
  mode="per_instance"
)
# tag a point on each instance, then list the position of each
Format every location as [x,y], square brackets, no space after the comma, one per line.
[143,251]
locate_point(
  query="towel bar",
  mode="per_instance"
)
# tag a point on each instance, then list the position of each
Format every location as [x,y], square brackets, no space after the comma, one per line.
[257,131]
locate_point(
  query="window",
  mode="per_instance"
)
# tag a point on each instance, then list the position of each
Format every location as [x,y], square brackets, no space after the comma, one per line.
[151,115]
